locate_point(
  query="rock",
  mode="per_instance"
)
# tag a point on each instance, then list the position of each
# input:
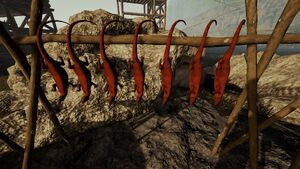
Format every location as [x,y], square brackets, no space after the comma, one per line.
[138,136]
[147,27]
[180,139]
[278,86]
[99,17]
[76,116]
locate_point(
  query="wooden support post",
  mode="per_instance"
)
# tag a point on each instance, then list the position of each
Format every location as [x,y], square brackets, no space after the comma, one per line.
[46,17]
[36,13]
[148,7]
[16,147]
[265,124]
[49,27]
[53,23]
[118,7]
[20,58]
[251,13]
[153,8]
[11,20]
[139,14]
[23,24]
[122,8]
[290,11]
[157,40]
[165,16]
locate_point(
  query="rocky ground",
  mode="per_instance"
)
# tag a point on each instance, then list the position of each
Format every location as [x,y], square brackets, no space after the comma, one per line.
[278,86]
[179,137]
[126,135]
[96,111]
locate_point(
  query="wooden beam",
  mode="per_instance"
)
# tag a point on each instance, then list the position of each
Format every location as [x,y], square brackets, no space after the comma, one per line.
[265,124]
[118,7]
[47,16]
[140,14]
[34,84]
[11,20]
[148,8]
[157,10]
[290,11]
[13,145]
[251,14]
[53,23]
[16,9]
[23,24]
[160,20]
[165,16]
[157,39]
[122,8]
[162,8]
[147,1]
[20,58]
[153,8]
[49,28]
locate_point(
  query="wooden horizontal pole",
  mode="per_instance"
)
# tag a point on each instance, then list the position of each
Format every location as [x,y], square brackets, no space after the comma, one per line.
[157,40]
[20,58]
[290,11]
[142,14]
[265,124]
[13,145]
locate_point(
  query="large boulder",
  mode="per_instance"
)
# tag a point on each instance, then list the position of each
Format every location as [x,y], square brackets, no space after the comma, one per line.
[278,86]
[76,116]
[178,137]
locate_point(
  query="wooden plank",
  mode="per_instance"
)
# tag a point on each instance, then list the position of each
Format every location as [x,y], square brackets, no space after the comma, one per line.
[146,2]
[157,39]
[20,58]
[136,1]
[251,14]
[23,24]
[34,84]
[265,124]
[153,7]
[13,145]
[46,17]
[53,23]
[290,11]
[140,14]
[22,8]
[122,8]
[11,20]
[118,7]
[165,16]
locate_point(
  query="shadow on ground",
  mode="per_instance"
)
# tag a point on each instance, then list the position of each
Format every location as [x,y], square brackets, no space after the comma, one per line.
[112,146]
[278,145]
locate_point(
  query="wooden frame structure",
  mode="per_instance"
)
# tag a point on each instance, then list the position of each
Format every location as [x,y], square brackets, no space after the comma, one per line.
[153,9]
[254,72]
[251,14]
[10,9]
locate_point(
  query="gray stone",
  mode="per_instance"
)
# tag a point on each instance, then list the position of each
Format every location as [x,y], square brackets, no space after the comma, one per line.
[76,116]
